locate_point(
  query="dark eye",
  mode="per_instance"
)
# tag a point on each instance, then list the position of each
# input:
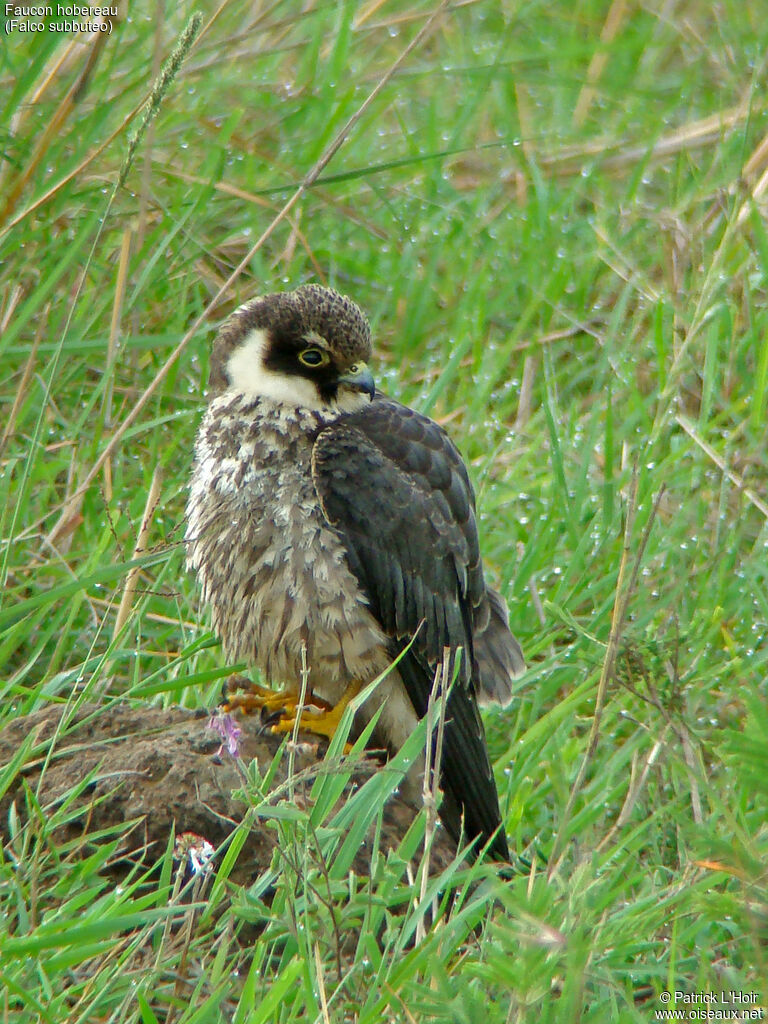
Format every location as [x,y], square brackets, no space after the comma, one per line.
[313,357]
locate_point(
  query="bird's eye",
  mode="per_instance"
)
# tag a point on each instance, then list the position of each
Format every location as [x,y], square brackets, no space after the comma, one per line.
[354,367]
[314,357]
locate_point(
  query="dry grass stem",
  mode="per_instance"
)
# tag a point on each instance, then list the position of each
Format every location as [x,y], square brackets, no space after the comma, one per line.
[599,61]
[693,771]
[707,131]
[636,786]
[625,269]
[736,480]
[757,160]
[74,173]
[433,757]
[525,401]
[114,325]
[249,197]
[321,984]
[26,377]
[129,591]
[55,126]
[297,723]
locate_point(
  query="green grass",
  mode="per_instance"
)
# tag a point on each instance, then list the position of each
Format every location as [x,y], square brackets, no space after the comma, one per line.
[508,233]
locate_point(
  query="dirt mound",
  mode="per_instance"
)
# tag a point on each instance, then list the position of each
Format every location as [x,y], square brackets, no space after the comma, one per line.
[150,770]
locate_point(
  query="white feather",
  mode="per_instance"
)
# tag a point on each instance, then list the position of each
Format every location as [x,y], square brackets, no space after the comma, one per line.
[252,379]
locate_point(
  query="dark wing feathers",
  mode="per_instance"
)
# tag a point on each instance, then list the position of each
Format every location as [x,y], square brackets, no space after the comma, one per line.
[387,479]
[394,486]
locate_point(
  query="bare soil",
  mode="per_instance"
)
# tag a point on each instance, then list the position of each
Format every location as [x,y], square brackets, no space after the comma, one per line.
[148,770]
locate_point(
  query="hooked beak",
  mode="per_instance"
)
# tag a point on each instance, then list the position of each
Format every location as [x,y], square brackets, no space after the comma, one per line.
[359,378]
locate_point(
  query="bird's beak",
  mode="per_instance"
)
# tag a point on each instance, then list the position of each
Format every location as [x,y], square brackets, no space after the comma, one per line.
[360,378]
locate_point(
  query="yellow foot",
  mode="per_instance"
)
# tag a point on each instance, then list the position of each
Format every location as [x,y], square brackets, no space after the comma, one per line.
[318,717]
[320,721]
[241,693]
[278,708]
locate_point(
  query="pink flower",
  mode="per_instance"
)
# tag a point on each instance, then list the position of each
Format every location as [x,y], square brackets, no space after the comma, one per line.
[226,726]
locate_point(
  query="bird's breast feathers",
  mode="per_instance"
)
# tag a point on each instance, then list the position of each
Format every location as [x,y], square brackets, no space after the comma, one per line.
[273,570]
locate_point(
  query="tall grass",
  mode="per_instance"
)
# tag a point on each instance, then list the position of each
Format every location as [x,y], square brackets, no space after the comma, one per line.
[555,216]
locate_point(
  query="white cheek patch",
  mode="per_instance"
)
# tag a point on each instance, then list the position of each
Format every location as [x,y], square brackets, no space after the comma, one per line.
[251,378]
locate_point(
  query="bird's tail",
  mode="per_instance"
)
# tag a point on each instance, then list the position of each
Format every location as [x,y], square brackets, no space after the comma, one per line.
[498,655]
[470,806]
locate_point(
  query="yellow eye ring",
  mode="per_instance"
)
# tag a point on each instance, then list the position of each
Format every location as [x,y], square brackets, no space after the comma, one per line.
[314,357]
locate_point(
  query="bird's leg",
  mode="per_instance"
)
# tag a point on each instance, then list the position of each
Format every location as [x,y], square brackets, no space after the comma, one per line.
[241,692]
[323,721]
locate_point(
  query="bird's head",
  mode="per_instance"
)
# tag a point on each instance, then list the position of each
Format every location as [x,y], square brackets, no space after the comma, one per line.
[305,348]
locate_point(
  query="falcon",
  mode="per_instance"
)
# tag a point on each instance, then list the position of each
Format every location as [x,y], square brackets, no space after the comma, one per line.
[333,528]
